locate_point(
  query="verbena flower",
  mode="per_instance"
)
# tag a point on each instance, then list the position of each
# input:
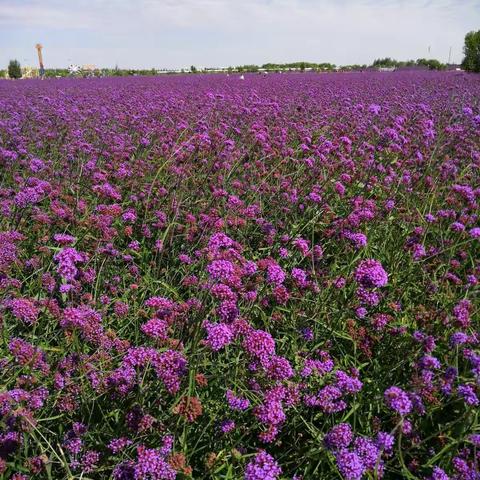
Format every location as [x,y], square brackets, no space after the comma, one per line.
[398,400]
[370,274]
[262,467]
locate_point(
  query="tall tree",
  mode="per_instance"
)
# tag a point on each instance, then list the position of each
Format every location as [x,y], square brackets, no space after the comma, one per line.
[14,70]
[471,62]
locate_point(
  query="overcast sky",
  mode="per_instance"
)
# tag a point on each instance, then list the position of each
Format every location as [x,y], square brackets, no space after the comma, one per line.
[178,33]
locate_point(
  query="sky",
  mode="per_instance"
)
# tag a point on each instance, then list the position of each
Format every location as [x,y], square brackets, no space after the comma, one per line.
[214,33]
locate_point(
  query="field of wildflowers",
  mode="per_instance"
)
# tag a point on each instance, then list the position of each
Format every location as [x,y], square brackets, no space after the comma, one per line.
[208,278]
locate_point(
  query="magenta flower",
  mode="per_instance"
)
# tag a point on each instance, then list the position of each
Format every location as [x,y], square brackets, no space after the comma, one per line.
[262,467]
[398,400]
[370,274]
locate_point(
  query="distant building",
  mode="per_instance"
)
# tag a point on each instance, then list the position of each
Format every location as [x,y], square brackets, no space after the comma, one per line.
[386,69]
[27,72]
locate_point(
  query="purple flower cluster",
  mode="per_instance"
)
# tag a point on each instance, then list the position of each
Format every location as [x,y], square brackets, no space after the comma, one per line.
[262,467]
[67,258]
[370,274]
[219,335]
[356,456]
[237,403]
[152,465]
[398,400]
[193,257]
[24,309]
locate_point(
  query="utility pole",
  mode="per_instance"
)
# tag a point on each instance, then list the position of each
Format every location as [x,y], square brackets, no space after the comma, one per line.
[450,56]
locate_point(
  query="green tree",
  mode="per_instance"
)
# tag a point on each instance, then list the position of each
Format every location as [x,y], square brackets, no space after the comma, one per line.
[14,69]
[431,63]
[385,62]
[247,68]
[471,62]
[193,69]
[117,72]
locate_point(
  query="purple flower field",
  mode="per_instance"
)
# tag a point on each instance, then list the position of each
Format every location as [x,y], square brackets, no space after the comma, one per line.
[209,278]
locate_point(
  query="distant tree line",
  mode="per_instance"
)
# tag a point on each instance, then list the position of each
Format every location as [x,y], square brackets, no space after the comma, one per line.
[302,66]
[471,63]
[388,62]
[14,70]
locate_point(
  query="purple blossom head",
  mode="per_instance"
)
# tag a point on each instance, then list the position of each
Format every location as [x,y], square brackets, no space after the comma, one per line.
[262,467]
[346,383]
[461,311]
[370,274]
[361,312]
[340,436]
[156,328]
[152,464]
[475,439]
[227,426]
[459,338]
[429,362]
[250,268]
[219,241]
[275,274]
[219,335]
[398,400]
[259,344]
[467,392]
[118,444]
[385,441]
[358,239]
[67,258]
[307,334]
[64,239]
[439,474]
[124,471]
[300,276]
[228,310]
[237,403]
[23,309]
[368,296]
[350,465]
[221,270]
[368,451]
